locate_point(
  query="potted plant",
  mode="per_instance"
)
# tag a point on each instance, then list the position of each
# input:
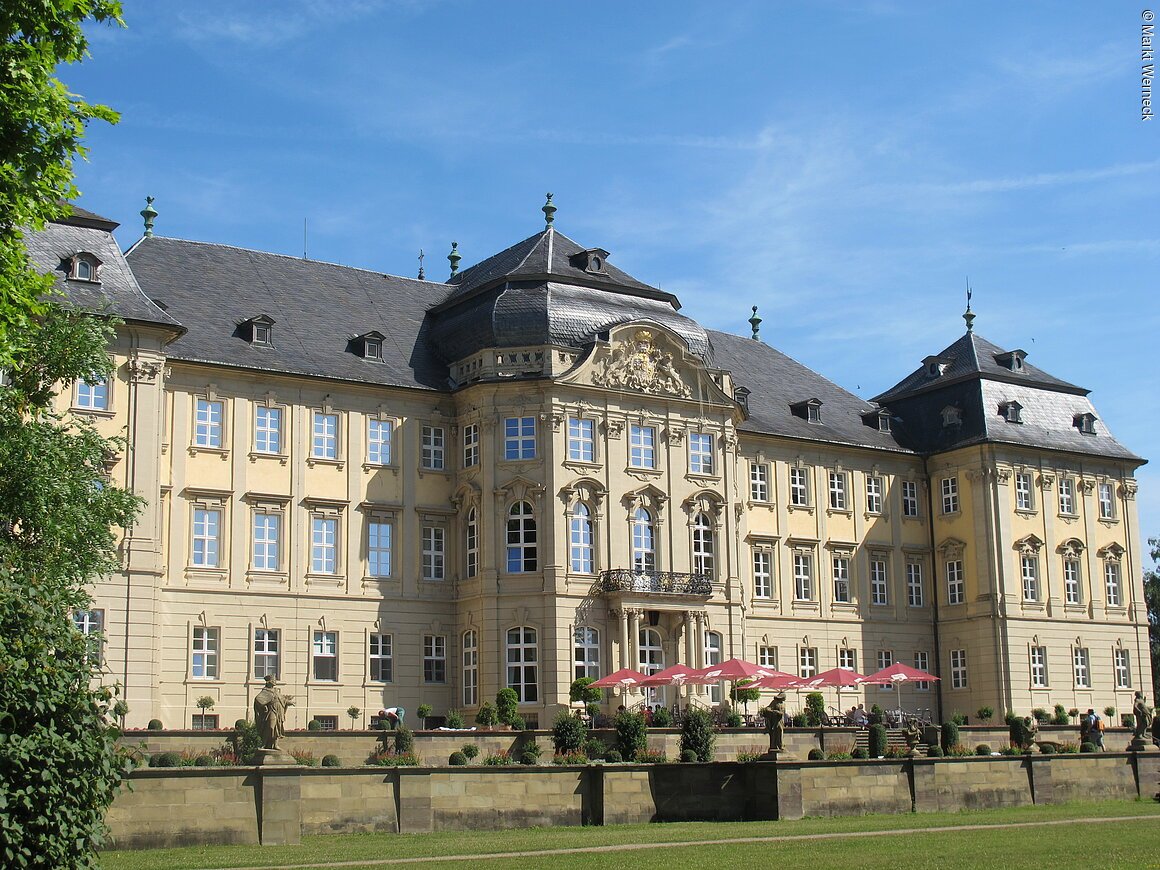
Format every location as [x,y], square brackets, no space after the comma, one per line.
[353,712]
[423,711]
[985,714]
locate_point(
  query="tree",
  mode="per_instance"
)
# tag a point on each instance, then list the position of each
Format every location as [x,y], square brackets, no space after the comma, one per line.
[1152,602]
[59,765]
[41,128]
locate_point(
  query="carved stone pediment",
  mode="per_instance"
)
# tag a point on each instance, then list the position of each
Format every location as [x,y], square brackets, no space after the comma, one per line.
[1029,545]
[952,548]
[638,364]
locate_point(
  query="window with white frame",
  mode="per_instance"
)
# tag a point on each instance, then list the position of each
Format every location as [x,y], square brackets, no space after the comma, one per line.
[1081,666]
[922,663]
[324,656]
[581,439]
[958,669]
[1039,667]
[519,438]
[323,545]
[380,650]
[267,544]
[472,542]
[1067,496]
[1107,501]
[380,544]
[909,498]
[758,481]
[885,660]
[586,650]
[1024,498]
[700,453]
[803,577]
[799,487]
[267,653]
[915,597]
[324,441]
[703,545]
[762,574]
[521,539]
[1071,580]
[207,526]
[91,623]
[1029,567]
[523,663]
[1112,583]
[380,437]
[581,543]
[949,486]
[644,552]
[432,443]
[434,658]
[267,429]
[470,668]
[807,661]
[92,396]
[1122,668]
[874,494]
[848,659]
[433,561]
[767,656]
[838,490]
[712,657]
[204,653]
[203,722]
[841,569]
[642,446]
[471,445]
[879,582]
[207,428]
[956,588]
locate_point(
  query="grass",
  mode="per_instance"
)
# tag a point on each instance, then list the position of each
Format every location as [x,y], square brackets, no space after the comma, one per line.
[1081,838]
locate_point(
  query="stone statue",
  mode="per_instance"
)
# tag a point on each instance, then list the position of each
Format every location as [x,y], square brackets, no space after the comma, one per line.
[774,716]
[270,713]
[1142,717]
[912,734]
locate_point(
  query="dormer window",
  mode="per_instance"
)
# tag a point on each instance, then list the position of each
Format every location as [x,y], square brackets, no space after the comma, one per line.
[1012,411]
[371,345]
[84,267]
[1085,423]
[809,410]
[883,422]
[741,397]
[591,260]
[935,366]
[879,419]
[1012,359]
[259,331]
[952,416]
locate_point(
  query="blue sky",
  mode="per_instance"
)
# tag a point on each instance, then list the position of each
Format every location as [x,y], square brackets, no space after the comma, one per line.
[844,166]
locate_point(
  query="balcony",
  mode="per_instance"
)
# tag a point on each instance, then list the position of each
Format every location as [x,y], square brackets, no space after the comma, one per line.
[623,580]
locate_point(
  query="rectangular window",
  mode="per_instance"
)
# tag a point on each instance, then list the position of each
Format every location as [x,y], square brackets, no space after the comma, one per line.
[432,443]
[807,661]
[1122,666]
[381,658]
[379,546]
[471,445]
[472,543]
[203,722]
[519,438]
[587,653]
[1030,569]
[327,723]
[1039,667]
[1112,583]
[207,430]
[642,446]
[434,544]
[909,498]
[380,435]
[94,396]
[841,579]
[885,660]
[838,490]
[325,440]
[1071,584]
[267,429]
[803,577]
[799,490]
[267,661]
[581,439]
[914,594]
[581,545]
[523,664]
[324,545]
[950,495]
[324,659]
[1079,658]
[958,669]
[1107,502]
[1067,496]
[956,590]
[848,659]
[762,574]
[1023,492]
[204,659]
[207,526]
[874,495]
[267,539]
[434,658]
[470,668]
[879,584]
[767,656]
[91,623]
[758,481]
[700,453]
[922,663]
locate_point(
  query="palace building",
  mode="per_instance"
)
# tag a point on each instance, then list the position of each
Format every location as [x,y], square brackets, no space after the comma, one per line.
[392,491]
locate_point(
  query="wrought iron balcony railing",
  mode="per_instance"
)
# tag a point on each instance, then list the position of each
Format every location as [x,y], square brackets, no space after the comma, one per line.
[662,582]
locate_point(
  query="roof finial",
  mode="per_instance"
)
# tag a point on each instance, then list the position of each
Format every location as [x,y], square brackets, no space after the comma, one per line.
[422,277]
[968,315]
[149,213]
[454,258]
[549,211]
[755,323]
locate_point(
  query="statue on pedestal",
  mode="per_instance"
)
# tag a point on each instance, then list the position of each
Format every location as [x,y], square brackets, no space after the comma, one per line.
[270,713]
[1142,717]
[774,716]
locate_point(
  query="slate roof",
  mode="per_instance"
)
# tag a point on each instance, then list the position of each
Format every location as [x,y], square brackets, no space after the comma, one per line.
[317,308]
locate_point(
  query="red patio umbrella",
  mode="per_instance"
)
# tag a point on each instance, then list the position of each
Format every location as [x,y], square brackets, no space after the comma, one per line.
[779,680]
[734,670]
[837,677]
[676,675]
[900,673]
[624,678]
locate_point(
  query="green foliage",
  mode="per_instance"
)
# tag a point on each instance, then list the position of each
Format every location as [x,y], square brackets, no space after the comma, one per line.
[815,754]
[1046,748]
[815,709]
[688,756]
[500,759]
[662,718]
[877,738]
[742,693]
[733,720]
[1110,712]
[699,734]
[245,741]
[404,740]
[652,756]
[423,711]
[1009,717]
[205,702]
[353,712]
[470,750]
[1128,720]
[874,717]
[839,755]
[1086,746]
[799,720]
[313,725]
[155,725]
[506,705]
[630,734]
[1152,605]
[935,752]
[568,733]
[859,752]
[594,747]
[454,719]
[949,736]
[331,760]
[959,718]
[304,757]
[530,753]
[486,716]
[517,723]
[744,755]
[383,758]
[164,759]
[1041,715]
[570,758]
[581,690]
[457,759]
[1060,717]
[613,756]
[985,714]
[1073,712]
[983,749]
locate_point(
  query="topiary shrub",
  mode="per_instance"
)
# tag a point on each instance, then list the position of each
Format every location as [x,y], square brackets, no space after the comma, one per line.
[154,725]
[875,715]
[662,718]
[594,748]
[487,717]
[518,724]
[815,754]
[1086,746]
[859,752]
[985,714]
[165,759]
[630,734]
[1047,748]
[983,749]
[950,735]
[530,753]
[331,760]
[699,734]
[203,760]
[454,719]
[1060,716]
[313,725]
[1041,715]
[935,752]
[470,750]
[613,756]
[959,718]
[404,740]
[733,720]
[688,756]
[581,690]
[798,720]
[815,709]
[245,741]
[507,704]
[877,740]
[568,733]
[457,759]
[742,693]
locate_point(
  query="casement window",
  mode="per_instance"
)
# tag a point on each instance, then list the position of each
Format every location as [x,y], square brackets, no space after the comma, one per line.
[700,453]
[1107,501]
[207,429]
[470,668]
[471,445]
[841,569]
[323,545]
[1029,567]
[915,597]
[472,542]
[581,542]
[581,439]
[521,539]
[380,651]
[267,543]
[703,546]
[1081,666]
[909,498]
[267,653]
[874,489]
[324,656]
[523,664]
[204,653]
[432,443]
[1071,580]
[838,490]
[803,577]
[956,588]
[644,553]
[879,582]
[949,486]
[267,430]
[848,659]
[203,722]
[922,663]
[92,396]
[712,657]
[1067,496]
[207,526]
[762,574]
[799,488]
[433,561]
[1039,667]
[807,661]
[324,441]
[767,656]
[958,669]
[1122,668]
[380,438]
[380,544]
[1112,586]
[885,660]
[519,438]
[642,446]
[586,652]
[91,623]
[758,481]
[1024,493]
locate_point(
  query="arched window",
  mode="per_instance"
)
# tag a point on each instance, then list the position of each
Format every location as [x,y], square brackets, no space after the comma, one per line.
[581,550]
[587,655]
[652,659]
[521,539]
[470,668]
[644,553]
[702,545]
[522,663]
[472,547]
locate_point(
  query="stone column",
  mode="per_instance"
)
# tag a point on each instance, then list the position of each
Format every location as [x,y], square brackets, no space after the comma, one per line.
[624,645]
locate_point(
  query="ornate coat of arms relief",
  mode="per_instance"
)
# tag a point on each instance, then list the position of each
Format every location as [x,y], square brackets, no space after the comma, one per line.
[637,364]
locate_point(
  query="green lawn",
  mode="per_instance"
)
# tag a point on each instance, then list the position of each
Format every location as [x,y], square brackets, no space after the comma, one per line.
[1082,840]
